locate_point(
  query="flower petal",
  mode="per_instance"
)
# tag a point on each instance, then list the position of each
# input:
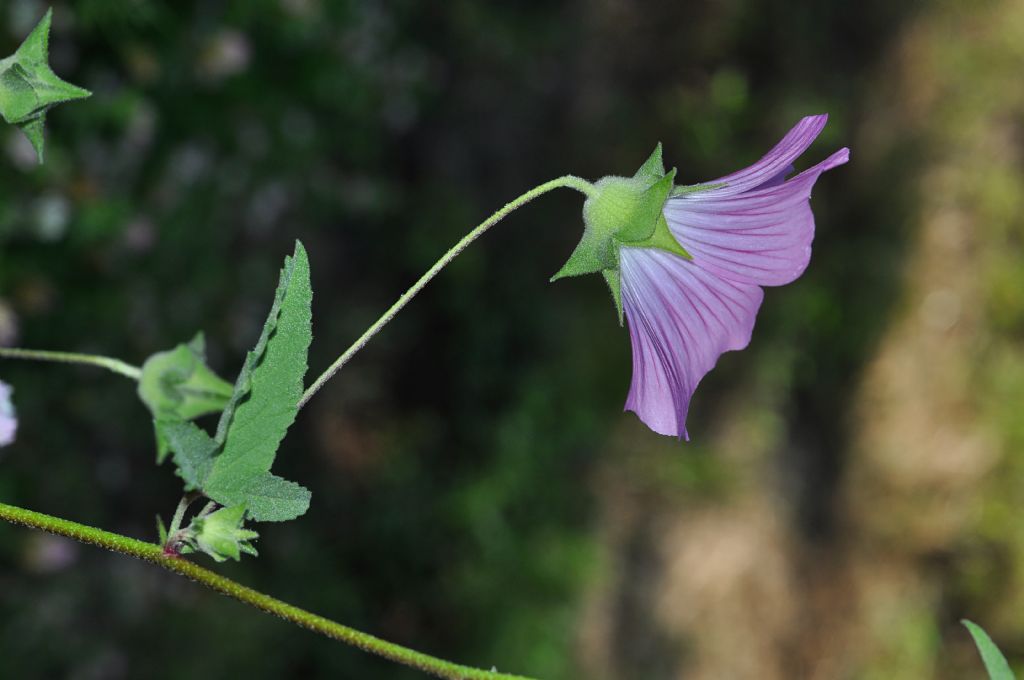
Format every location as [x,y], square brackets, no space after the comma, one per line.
[775,161]
[681,319]
[778,179]
[761,236]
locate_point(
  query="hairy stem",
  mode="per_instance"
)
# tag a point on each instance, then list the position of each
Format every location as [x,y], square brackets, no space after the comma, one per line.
[155,554]
[567,182]
[179,513]
[115,365]
[174,533]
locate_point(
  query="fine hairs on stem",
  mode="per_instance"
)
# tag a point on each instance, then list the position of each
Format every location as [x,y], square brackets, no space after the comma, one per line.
[115,365]
[151,552]
[565,182]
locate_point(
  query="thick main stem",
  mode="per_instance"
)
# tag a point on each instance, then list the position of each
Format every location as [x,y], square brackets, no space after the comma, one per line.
[115,365]
[568,182]
[155,554]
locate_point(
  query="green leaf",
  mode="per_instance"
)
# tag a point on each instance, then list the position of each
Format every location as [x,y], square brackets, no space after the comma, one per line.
[272,499]
[193,450]
[178,385]
[995,662]
[264,405]
[29,87]
[243,384]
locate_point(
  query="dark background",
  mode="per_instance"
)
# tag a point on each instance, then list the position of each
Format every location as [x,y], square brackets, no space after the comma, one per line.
[855,477]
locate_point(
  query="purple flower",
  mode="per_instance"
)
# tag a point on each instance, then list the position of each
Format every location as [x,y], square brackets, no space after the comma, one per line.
[749,229]
[8,421]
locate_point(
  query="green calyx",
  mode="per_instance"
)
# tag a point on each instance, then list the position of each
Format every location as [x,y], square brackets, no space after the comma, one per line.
[29,87]
[624,212]
[178,386]
[221,535]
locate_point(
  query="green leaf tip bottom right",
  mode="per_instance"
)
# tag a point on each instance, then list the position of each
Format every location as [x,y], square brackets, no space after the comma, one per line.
[995,662]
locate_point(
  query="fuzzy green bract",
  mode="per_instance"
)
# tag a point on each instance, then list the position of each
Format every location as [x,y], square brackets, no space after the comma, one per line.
[221,536]
[624,211]
[29,88]
[177,386]
[995,662]
[233,468]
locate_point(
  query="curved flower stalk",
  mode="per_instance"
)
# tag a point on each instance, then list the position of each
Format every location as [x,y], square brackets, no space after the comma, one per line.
[686,264]
[8,419]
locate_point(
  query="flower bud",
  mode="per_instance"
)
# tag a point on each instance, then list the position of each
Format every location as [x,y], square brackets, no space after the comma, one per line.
[178,385]
[29,87]
[220,534]
[623,212]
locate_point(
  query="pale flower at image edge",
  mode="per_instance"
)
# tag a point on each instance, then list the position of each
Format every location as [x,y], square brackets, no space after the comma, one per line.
[8,419]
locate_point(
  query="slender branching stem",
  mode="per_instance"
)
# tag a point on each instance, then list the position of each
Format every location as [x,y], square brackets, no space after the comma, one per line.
[173,562]
[115,365]
[155,554]
[179,513]
[175,533]
[567,182]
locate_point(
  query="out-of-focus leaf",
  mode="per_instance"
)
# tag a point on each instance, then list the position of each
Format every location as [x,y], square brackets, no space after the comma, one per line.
[995,662]
[29,87]
[178,384]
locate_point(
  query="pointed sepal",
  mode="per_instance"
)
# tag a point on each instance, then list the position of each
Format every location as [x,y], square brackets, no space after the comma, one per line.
[33,130]
[664,239]
[660,236]
[221,534]
[592,254]
[696,188]
[647,211]
[36,46]
[161,530]
[653,168]
[29,87]
[614,280]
